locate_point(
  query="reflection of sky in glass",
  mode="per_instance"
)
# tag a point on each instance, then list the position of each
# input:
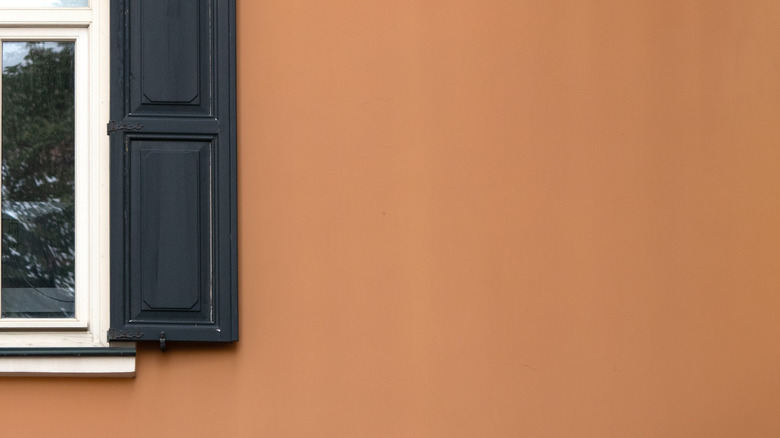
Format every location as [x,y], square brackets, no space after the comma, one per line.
[15,51]
[44,3]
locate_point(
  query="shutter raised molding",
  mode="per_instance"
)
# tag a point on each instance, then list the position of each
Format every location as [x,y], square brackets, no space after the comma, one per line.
[173,171]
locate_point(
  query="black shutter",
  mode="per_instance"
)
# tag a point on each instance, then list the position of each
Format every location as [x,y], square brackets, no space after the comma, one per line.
[173,170]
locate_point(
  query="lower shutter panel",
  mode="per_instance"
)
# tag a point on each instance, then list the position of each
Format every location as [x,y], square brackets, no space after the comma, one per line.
[173,171]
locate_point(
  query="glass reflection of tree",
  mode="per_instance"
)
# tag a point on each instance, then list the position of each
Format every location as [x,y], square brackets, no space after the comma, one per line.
[38,170]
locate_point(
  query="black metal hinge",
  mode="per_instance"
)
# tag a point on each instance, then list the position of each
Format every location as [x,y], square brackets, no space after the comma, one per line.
[114,126]
[124,335]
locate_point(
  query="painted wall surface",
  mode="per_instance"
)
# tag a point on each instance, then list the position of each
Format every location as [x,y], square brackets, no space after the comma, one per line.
[498,218]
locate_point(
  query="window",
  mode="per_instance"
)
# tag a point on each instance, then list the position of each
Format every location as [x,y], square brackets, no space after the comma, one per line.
[126,233]
[54,299]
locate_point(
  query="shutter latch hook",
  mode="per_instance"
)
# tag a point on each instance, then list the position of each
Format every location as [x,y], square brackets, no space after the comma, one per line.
[162,341]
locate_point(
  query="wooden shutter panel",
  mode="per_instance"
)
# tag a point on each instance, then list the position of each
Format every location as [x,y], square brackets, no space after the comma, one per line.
[173,170]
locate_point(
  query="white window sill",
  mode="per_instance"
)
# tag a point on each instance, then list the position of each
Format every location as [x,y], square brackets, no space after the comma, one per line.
[64,362]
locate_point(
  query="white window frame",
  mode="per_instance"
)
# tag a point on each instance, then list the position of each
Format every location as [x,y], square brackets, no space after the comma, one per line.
[89,28]
[83,151]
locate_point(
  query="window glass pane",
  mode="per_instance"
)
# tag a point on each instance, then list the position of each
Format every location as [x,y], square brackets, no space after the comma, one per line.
[38,215]
[44,3]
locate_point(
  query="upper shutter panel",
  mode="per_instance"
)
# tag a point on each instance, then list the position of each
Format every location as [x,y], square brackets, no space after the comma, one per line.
[173,170]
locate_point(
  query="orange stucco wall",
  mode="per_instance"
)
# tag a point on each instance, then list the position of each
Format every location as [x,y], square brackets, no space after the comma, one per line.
[499,218]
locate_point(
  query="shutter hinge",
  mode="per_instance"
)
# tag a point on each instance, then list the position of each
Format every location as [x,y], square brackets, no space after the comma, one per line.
[118,335]
[113,126]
